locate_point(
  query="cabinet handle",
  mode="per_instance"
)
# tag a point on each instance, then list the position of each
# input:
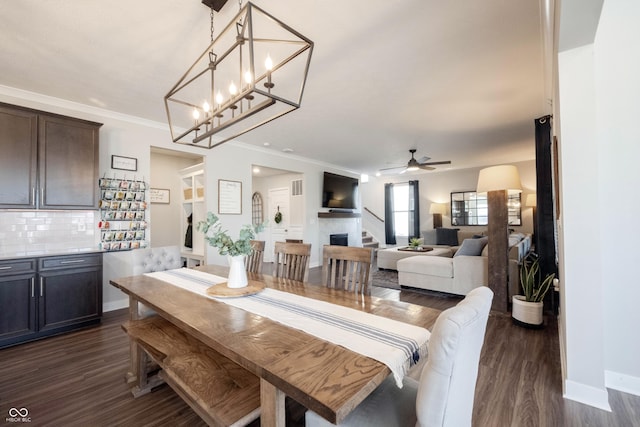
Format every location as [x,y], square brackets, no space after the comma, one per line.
[6,268]
[41,195]
[33,194]
[41,285]
[32,286]
[72,262]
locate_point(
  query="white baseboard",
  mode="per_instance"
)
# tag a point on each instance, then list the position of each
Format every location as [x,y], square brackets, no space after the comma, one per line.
[115,305]
[592,396]
[622,382]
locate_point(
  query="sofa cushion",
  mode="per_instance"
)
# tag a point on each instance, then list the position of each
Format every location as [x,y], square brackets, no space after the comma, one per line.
[468,234]
[447,236]
[429,265]
[429,237]
[472,247]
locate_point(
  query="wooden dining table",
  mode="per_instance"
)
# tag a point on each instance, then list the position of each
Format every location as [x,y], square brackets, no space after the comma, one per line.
[326,378]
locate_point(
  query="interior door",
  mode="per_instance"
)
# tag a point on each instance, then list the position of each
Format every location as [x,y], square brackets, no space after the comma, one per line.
[277,232]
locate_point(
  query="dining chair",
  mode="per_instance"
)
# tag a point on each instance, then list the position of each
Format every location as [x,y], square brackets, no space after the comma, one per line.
[253,262]
[291,260]
[293,240]
[444,395]
[347,267]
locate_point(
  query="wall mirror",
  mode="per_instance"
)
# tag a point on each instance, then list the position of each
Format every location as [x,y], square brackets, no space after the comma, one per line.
[471,208]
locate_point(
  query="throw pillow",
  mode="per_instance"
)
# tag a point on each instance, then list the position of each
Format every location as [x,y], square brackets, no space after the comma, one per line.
[429,237]
[447,236]
[472,247]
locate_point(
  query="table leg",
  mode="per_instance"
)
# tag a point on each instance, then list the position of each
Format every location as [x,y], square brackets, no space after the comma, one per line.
[272,409]
[132,376]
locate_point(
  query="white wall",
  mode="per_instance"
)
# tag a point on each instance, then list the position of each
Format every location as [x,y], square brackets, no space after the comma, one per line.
[598,139]
[436,187]
[582,287]
[617,71]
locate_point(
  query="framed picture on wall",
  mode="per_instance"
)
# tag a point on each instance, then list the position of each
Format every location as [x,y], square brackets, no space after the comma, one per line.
[229,197]
[124,163]
[159,195]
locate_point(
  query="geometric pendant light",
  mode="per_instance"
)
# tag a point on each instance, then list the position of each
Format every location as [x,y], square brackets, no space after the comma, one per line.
[253,72]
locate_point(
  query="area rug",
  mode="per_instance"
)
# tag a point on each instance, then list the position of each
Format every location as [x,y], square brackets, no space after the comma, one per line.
[385,279]
[389,279]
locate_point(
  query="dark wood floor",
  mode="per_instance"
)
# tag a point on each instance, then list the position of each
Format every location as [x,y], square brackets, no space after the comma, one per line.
[77,379]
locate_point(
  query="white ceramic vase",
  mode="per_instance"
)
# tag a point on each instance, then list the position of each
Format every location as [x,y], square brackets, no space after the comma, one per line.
[529,313]
[237,272]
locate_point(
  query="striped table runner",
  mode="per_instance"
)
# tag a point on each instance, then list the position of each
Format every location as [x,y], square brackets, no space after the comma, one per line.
[396,344]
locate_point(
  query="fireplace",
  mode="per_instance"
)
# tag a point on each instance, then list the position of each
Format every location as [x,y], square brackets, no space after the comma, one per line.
[341,239]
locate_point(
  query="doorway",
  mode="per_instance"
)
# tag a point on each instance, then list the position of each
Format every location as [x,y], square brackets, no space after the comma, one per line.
[282,192]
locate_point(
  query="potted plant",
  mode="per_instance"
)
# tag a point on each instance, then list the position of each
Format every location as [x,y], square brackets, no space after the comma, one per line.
[415,243]
[236,251]
[527,308]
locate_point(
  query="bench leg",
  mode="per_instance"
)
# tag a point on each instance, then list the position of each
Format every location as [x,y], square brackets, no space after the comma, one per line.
[271,405]
[137,377]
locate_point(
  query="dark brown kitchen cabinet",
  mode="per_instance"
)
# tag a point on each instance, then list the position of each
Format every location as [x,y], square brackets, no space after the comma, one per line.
[49,161]
[49,295]
[18,158]
[17,300]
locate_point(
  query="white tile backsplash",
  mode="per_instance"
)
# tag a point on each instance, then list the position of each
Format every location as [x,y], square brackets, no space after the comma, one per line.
[42,232]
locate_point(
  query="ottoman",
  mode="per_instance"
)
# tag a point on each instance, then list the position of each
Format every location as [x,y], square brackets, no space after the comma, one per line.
[387,258]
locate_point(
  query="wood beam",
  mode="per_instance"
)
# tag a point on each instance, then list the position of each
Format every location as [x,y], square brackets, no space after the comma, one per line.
[498,249]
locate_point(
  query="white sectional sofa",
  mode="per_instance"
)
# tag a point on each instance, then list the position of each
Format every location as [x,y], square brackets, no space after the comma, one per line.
[467,269]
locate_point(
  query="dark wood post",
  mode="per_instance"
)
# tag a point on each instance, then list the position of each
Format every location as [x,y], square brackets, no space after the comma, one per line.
[498,249]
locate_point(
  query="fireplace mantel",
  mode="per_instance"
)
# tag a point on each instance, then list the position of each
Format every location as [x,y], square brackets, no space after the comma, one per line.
[339,215]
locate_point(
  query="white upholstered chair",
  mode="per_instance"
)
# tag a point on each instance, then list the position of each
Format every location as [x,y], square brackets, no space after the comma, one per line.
[149,260]
[444,395]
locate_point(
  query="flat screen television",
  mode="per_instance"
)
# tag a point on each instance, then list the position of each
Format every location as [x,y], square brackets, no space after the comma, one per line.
[339,192]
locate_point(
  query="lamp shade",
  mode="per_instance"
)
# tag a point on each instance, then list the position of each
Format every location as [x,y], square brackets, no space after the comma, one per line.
[438,208]
[531,200]
[494,178]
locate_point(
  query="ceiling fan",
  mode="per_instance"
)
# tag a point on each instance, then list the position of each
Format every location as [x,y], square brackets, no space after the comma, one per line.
[414,165]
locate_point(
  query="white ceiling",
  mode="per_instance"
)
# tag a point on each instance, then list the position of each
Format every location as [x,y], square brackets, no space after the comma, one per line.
[458,80]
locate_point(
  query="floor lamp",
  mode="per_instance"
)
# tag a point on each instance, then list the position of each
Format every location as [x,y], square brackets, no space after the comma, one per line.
[496,181]
[437,210]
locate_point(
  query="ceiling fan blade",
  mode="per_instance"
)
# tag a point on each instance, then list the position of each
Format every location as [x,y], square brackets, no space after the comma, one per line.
[446,162]
[426,167]
[392,171]
[423,159]
[395,168]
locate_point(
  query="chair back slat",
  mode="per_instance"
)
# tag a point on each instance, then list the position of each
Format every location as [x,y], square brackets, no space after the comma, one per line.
[253,262]
[291,260]
[347,267]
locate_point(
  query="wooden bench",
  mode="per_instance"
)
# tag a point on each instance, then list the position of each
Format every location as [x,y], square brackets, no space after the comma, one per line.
[220,391]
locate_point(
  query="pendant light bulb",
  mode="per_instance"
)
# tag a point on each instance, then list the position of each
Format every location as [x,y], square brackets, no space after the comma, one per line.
[219,98]
[196,114]
[206,107]
[268,63]
[233,90]
[248,78]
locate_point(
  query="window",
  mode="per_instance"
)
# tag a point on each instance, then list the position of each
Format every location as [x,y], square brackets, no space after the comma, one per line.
[256,209]
[401,209]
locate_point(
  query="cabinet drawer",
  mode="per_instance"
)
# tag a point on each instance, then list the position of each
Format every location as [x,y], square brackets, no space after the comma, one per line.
[70,261]
[15,266]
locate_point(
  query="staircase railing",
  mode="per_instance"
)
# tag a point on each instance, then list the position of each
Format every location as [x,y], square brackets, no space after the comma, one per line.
[373,214]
